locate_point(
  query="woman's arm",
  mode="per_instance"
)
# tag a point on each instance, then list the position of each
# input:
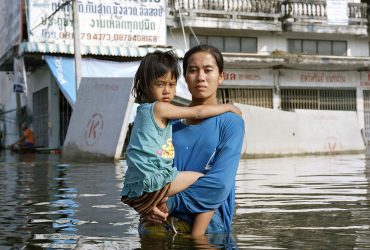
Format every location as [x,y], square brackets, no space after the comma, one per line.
[200,223]
[210,191]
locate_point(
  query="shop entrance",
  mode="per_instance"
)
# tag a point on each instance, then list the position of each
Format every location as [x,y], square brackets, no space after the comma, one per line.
[41,117]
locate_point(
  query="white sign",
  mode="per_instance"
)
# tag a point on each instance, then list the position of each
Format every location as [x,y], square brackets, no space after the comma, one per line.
[257,77]
[365,80]
[19,75]
[102,22]
[319,78]
[337,12]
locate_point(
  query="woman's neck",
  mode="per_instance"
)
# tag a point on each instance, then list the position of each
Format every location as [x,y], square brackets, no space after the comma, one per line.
[197,102]
[210,101]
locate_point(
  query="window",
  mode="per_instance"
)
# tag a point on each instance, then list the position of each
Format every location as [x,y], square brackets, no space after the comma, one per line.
[216,41]
[294,46]
[340,48]
[249,44]
[232,44]
[309,47]
[227,44]
[317,47]
[201,39]
[324,48]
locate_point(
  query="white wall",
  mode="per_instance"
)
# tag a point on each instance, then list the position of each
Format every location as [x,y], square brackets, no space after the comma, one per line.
[275,132]
[8,122]
[175,38]
[267,44]
[99,121]
[358,47]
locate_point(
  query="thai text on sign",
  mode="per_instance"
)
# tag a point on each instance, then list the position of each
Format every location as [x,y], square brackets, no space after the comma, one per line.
[102,23]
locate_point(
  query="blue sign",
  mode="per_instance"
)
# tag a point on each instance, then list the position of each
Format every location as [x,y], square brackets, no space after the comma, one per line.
[63,69]
[18,88]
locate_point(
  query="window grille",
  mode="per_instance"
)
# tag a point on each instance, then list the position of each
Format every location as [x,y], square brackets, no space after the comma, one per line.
[251,96]
[321,99]
[41,117]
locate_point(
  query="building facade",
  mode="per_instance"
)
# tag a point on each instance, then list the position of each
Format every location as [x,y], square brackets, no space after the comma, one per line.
[285,55]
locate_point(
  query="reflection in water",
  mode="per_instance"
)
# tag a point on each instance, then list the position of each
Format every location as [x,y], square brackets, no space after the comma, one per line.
[282,203]
[303,201]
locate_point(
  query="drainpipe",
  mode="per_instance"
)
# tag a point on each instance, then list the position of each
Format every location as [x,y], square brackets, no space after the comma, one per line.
[18,112]
[276,96]
[76,40]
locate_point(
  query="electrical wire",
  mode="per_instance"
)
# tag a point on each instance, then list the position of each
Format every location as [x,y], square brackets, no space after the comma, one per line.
[51,15]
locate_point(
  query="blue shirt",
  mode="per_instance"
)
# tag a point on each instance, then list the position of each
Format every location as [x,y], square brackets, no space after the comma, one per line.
[212,147]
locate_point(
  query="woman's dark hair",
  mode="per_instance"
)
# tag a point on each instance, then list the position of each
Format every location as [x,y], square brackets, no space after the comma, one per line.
[153,66]
[204,48]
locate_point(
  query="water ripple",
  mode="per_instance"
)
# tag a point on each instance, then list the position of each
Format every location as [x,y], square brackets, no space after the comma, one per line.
[282,203]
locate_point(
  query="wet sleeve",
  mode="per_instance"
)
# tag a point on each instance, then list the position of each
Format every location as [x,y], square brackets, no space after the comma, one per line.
[214,187]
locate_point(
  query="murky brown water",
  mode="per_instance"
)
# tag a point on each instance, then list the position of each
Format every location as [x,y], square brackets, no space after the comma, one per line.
[318,202]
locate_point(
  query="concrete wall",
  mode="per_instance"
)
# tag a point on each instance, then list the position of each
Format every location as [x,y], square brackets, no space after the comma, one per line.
[273,132]
[358,47]
[99,121]
[8,121]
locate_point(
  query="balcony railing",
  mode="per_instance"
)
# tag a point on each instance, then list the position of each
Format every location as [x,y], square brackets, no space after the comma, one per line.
[237,9]
[309,10]
[315,11]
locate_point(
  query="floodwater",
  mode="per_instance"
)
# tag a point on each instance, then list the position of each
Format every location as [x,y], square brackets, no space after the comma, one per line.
[311,202]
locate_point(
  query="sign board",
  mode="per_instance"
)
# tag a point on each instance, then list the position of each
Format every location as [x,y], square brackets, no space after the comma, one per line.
[18,88]
[102,22]
[365,79]
[10,25]
[63,71]
[296,78]
[247,77]
[337,12]
[19,75]
[99,121]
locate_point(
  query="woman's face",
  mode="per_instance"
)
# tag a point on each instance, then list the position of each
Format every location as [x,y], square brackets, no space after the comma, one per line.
[203,77]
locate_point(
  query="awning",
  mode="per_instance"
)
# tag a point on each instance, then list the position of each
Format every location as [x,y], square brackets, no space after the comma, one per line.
[64,73]
[49,48]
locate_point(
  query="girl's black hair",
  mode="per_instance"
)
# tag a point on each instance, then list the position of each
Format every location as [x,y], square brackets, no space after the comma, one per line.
[153,66]
[204,48]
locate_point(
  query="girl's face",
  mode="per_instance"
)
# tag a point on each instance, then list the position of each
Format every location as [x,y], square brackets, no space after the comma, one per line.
[164,88]
[203,78]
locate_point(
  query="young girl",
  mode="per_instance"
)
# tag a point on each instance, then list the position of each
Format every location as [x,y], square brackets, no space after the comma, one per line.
[150,176]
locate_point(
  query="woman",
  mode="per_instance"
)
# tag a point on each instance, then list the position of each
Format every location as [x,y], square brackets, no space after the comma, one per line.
[211,146]
[150,175]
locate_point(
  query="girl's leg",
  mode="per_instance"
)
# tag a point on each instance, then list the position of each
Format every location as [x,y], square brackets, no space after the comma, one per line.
[201,222]
[182,181]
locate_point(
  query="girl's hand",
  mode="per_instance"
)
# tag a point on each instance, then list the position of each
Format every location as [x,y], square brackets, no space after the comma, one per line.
[159,213]
[158,216]
[235,109]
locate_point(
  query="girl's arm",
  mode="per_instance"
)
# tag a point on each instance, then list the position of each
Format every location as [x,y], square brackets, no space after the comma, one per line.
[165,110]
